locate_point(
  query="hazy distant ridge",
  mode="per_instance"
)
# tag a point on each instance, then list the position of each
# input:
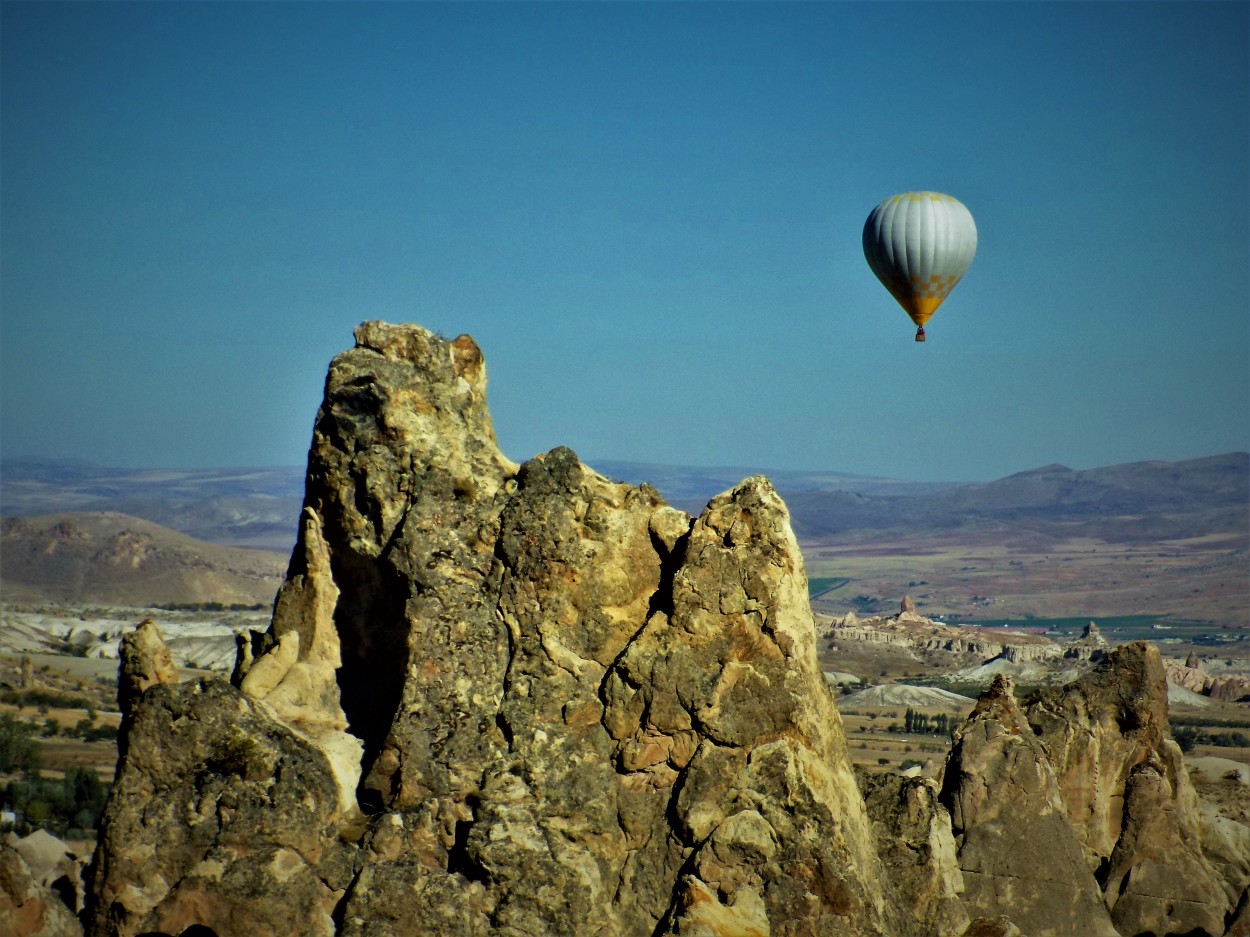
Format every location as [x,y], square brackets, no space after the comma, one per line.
[260,506]
[255,507]
[1134,501]
[114,559]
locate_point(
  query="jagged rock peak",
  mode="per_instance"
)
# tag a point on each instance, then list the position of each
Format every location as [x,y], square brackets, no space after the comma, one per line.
[500,699]
[1000,788]
[998,700]
[579,710]
[907,612]
[1128,689]
[1129,799]
[144,660]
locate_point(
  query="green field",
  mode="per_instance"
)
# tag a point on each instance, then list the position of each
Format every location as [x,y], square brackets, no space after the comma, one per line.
[1118,628]
[1119,623]
[825,584]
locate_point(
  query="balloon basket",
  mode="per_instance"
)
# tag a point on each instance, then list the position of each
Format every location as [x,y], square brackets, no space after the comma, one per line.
[920,335]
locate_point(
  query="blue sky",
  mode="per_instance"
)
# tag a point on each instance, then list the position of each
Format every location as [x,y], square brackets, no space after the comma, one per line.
[648,216]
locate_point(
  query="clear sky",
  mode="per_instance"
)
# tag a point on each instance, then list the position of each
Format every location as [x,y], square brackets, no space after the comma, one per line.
[648,215]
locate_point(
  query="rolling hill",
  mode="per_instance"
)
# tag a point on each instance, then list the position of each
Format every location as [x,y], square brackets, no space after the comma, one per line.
[1034,543]
[255,507]
[113,559]
[1131,503]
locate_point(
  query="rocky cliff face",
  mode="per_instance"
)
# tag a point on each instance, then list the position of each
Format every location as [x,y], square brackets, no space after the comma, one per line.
[578,710]
[1192,676]
[1002,793]
[1088,777]
[29,908]
[527,700]
[1128,797]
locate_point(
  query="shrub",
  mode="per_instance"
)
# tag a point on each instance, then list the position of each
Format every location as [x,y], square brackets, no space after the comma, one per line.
[19,752]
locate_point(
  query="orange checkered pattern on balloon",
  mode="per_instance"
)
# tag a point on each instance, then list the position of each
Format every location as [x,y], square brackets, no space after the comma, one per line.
[934,287]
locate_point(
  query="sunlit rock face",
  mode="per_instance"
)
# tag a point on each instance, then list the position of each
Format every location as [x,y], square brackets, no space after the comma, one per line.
[1129,798]
[582,710]
[220,816]
[502,699]
[28,908]
[577,709]
[1019,855]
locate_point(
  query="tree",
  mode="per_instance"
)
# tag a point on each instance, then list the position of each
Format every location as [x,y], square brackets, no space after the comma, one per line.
[19,752]
[1185,737]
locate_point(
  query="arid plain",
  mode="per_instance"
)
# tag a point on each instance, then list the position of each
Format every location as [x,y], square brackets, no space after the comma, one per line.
[1152,550]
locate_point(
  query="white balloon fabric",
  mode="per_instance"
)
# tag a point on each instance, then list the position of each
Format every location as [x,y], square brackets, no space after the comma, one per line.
[920,244]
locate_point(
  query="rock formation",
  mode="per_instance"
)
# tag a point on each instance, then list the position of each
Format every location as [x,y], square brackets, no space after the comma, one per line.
[1129,799]
[1002,792]
[220,816]
[916,844]
[1020,653]
[911,630]
[1088,776]
[52,864]
[144,661]
[1191,676]
[528,700]
[27,907]
[1091,645]
[579,710]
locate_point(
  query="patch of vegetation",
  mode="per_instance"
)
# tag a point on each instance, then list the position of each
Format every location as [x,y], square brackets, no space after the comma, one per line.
[1189,737]
[960,687]
[1206,721]
[73,802]
[49,699]
[825,584]
[19,752]
[211,607]
[867,605]
[60,804]
[923,724]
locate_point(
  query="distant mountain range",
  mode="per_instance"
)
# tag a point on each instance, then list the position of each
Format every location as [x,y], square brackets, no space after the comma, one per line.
[695,486]
[1133,502]
[77,533]
[251,507]
[113,559]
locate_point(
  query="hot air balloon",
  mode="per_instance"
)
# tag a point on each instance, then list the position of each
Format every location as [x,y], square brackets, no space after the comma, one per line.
[919,244]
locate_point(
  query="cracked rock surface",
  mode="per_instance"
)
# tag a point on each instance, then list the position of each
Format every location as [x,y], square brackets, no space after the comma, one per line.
[576,710]
[1128,796]
[502,699]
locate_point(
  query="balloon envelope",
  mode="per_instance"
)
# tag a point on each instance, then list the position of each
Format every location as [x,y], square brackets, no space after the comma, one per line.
[919,244]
